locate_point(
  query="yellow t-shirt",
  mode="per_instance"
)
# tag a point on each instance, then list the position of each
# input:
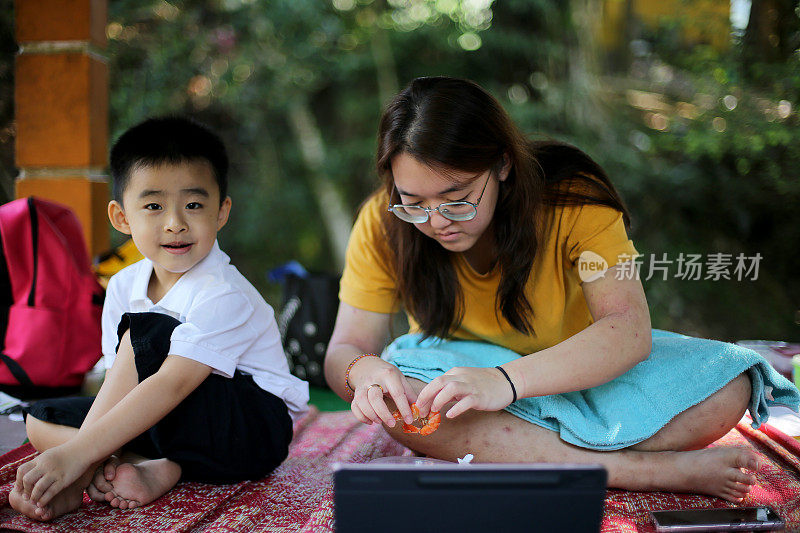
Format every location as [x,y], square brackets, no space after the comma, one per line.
[553,289]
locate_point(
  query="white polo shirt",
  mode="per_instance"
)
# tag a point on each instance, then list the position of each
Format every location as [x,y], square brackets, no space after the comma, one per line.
[225,323]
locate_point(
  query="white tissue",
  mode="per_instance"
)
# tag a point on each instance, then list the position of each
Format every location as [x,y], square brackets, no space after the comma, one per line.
[466,459]
[761,514]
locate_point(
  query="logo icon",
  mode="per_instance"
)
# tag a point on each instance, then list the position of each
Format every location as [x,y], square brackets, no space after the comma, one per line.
[591,266]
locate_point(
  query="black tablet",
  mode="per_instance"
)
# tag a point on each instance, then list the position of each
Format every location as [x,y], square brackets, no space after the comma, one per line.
[445,498]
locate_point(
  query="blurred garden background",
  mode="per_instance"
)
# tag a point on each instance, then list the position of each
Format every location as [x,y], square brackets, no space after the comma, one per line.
[690,105]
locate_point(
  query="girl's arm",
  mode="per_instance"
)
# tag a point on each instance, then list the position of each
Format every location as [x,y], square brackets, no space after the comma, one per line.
[619,338]
[138,410]
[358,332]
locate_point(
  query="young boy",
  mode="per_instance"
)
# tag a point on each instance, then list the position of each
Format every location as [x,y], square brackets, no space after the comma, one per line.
[197,388]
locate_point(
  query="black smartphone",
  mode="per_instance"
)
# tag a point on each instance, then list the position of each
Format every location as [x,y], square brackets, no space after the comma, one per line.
[762,518]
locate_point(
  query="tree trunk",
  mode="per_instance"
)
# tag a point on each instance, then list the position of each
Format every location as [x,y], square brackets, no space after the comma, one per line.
[332,210]
[584,104]
[384,66]
[771,34]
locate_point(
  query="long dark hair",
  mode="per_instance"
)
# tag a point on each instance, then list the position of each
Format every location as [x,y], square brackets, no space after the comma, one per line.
[453,124]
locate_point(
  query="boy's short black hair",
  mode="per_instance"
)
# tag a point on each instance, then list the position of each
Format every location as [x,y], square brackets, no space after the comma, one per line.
[167,140]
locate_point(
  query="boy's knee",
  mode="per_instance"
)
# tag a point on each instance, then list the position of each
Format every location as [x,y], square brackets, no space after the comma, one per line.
[144,340]
[31,423]
[36,430]
[125,347]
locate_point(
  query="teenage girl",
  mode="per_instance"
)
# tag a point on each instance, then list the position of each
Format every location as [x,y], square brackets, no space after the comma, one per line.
[477,233]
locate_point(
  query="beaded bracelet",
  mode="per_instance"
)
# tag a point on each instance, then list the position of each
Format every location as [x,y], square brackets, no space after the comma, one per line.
[350,366]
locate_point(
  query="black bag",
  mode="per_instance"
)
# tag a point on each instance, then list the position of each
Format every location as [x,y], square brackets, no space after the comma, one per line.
[306,321]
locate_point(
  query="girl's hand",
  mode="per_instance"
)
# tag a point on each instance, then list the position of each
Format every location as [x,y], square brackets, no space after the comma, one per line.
[373,378]
[484,389]
[49,473]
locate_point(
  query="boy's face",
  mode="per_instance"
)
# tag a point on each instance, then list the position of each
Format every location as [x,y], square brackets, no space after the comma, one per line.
[173,214]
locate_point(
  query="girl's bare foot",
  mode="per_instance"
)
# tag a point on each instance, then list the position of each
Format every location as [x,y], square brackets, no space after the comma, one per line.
[138,484]
[64,502]
[101,481]
[723,472]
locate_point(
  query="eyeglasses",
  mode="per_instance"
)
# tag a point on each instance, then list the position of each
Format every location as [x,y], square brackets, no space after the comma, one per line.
[457,211]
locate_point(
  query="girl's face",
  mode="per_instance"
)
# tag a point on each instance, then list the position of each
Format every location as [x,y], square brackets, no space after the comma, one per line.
[418,184]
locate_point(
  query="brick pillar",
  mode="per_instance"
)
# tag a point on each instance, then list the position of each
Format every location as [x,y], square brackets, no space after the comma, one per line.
[62,108]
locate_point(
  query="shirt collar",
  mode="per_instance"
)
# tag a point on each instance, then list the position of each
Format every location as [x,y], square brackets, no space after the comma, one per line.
[175,298]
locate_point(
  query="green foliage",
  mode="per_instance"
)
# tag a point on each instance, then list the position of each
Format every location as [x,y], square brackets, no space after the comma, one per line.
[719,175]
[701,143]
[714,179]
[239,66]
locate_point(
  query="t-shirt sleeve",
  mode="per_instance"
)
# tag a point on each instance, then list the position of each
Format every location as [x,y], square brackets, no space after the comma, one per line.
[367,282]
[112,313]
[600,230]
[217,330]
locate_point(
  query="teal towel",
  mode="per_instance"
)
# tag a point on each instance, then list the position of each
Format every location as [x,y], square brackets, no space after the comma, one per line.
[681,372]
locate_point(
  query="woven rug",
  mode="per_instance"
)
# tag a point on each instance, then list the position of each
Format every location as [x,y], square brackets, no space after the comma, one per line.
[298,496]
[777,485]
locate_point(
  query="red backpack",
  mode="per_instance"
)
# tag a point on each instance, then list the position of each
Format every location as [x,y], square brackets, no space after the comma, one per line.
[50,301]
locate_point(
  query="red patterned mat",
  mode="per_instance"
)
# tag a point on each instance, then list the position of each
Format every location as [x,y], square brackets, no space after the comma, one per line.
[778,485]
[298,496]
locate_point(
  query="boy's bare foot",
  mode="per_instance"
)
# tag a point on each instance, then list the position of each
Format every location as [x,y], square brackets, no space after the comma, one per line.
[140,483]
[721,471]
[101,481]
[64,502]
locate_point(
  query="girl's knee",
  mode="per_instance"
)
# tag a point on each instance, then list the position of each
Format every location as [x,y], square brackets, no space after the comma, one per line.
[737,393]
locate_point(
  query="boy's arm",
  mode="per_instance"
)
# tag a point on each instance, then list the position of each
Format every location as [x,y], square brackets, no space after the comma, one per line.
[147,403]
[116,385]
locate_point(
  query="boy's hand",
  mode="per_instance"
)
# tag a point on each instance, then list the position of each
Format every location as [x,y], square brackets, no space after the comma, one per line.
[49,473]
